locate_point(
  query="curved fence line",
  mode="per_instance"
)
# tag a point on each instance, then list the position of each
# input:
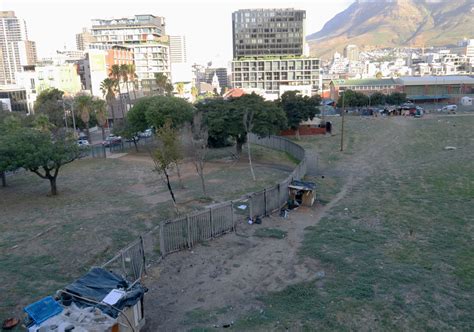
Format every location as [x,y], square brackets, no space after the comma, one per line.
[186,231]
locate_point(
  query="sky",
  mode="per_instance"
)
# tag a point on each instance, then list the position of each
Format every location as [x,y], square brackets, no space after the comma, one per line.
[207,24]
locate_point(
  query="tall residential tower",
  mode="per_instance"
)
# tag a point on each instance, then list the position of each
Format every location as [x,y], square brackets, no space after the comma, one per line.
[16,50]
[269,52]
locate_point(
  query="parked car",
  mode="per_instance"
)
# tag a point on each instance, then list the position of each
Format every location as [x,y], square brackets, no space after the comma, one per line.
[450,109]
[112,140]
[131,139]
[146,133]
[82,142]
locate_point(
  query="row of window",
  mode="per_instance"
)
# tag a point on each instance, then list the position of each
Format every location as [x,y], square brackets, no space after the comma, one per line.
[275,65]
[275,76]
[270,86]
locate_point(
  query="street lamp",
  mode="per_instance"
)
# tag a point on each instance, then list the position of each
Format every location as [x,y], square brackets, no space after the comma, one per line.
[71,104]
[342,125]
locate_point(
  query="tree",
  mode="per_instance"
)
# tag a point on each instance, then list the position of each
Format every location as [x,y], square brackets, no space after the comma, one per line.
[225,118]
[353,99]
[41,152]
[396,98]
[377,98]
[84,106]
[116,74]
[180,88]
[49,103]
[248,126]
[298,108]
[164,85]
[197,137]
[194,92]
[109,87]
[162,109]
[9,123]
[100,110]
[132,76]
[163,156]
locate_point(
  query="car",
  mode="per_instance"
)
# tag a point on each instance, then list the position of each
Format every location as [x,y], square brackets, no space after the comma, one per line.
[112,140]
[82,142]
[132,139]
[450,109]
[146,133]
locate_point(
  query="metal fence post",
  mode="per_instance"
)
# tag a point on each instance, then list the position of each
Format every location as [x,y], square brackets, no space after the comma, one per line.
[210,222]
[250,207]
[189,232]
[265,202]
[232,215]
[162,240]
[142,245]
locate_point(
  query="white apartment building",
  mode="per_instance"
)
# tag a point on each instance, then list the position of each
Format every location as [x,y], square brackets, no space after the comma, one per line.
[178,49]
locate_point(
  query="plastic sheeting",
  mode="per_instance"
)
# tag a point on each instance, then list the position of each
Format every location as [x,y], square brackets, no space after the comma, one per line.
[97,283]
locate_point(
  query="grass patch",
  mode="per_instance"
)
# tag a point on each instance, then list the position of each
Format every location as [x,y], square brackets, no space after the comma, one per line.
[397,249]
[103,205]
[274,233]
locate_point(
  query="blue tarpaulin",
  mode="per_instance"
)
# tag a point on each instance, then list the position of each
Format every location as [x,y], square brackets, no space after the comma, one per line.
[43,309]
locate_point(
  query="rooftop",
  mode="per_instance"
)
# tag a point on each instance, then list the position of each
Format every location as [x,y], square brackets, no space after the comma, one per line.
[368,82]
[435,80]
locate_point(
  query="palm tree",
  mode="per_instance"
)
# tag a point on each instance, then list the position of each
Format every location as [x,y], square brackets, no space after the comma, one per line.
[84,106]
[109,88]
[194,92]
[163,83]
[101,114]
[132,75]
[116,74]
[180,88]
[124,75]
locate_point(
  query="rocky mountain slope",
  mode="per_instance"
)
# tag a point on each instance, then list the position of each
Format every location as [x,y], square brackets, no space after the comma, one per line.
[390,23]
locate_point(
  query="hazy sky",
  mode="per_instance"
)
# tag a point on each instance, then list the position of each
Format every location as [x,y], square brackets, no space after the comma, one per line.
[206,24]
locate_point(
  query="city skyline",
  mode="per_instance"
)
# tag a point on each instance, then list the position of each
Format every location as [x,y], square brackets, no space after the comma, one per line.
[202,23]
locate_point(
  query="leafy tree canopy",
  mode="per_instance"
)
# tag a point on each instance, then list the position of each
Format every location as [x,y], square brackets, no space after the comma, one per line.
[161,109]
[298,108]
[225,118]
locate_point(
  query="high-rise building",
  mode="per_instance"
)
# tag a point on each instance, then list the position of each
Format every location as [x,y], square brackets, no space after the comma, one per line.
[269,52]
[84,39]
[351,52]
[145,35]
[16,50]
[268,32]
[178,49]
[136,30]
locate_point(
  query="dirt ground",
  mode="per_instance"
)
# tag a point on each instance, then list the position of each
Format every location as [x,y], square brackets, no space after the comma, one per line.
[222,280]
[229,273]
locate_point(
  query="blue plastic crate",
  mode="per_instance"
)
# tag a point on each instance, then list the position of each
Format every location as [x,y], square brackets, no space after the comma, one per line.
[43,309]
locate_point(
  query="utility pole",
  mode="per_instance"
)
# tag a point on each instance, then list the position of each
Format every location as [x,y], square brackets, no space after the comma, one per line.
[342,125]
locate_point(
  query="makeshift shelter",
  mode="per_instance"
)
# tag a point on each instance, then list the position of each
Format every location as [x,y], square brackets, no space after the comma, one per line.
[302,192]
[98,301]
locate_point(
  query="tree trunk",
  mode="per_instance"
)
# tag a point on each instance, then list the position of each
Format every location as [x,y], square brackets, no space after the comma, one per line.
[103,132]
[4,179]
[136,145]
[87,132]
[250,158]
[54,190]
[240,141]
[298,133]
[203,184]
[179,176]
[113,114]
[171,191]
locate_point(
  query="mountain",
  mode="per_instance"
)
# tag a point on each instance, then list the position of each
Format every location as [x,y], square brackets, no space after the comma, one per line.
[392,23]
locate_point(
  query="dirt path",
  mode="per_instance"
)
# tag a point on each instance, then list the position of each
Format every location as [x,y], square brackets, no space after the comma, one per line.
[220,281]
